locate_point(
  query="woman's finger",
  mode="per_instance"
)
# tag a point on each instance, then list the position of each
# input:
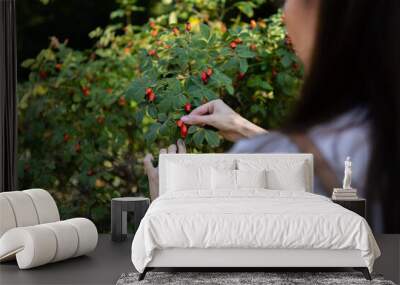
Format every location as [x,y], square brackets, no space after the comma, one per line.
[206,108]
[197,119]
[148,164]
[181,146]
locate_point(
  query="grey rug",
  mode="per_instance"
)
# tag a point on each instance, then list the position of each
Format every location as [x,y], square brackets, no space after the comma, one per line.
[232,278]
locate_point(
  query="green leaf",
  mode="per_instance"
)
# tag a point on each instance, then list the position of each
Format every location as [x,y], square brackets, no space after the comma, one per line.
[246,7]
[192,129]
[137,89]
[166,104]
[151,135]
[212,138]
[205,31]
[27,63]
[243,65]
[244,52]
[152,111]
[198,137]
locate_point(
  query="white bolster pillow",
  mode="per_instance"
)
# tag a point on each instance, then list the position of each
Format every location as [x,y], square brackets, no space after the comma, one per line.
[40,244]
[24,211]
[45,205]
[7,218]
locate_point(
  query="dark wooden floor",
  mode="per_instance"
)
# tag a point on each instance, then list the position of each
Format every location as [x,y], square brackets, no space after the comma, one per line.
[110,260]
[103,266]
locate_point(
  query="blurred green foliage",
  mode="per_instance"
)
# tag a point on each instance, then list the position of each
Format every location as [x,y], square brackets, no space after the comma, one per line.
[85,121]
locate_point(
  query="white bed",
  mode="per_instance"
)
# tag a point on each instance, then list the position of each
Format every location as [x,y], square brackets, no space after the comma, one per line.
[248,226]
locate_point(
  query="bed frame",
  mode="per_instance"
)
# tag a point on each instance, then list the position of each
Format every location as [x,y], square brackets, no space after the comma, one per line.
[259,259]
[249,259]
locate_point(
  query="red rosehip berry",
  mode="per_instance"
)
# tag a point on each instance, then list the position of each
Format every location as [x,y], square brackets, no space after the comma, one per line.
[209,71]
[78,147]
[100,120]
[154,33]
[253,24]
[152,52]
[66,137]
[274,72]
[152,24]
[179,123]
[109,90]
[149,91]
[184,131]
[238,41]
[253,47]
[42,74]
[85,91]
[151,97]
[58,66]
[187,107]
[233,45]
[127,51]
[122,101]
[240,75]
[188,27]
[175,30]
[204,77]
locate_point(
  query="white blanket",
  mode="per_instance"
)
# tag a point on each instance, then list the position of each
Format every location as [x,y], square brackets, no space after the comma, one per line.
[250,219]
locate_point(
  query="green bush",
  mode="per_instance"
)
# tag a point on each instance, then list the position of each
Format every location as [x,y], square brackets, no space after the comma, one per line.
[86,118]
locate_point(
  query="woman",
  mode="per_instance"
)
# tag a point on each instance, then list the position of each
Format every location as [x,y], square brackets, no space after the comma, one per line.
[349,103]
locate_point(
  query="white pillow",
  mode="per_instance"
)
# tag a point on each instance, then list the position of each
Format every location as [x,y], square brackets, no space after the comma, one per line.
[282,174]
[184,177]
[224,179]
[292,179]
[251,178]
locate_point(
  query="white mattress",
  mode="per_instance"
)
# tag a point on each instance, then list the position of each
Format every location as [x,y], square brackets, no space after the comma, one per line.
[252,219]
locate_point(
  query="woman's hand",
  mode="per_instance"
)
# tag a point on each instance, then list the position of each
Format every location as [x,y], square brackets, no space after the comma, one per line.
[217,114]
[152,172]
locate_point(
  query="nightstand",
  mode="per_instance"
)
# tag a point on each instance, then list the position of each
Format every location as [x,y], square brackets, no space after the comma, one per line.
[119,210]
[358,206]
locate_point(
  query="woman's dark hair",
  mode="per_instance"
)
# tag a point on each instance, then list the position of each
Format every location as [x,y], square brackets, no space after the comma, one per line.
[356,62]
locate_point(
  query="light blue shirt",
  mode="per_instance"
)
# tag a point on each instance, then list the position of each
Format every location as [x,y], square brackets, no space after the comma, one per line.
[346,135]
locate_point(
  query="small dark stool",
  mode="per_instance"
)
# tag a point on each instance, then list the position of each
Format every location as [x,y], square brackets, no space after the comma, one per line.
[119,210]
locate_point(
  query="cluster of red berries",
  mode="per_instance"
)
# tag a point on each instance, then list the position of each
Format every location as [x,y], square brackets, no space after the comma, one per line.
[151,96]
[154,31]
[205,75]
[235,42]
[183,127]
